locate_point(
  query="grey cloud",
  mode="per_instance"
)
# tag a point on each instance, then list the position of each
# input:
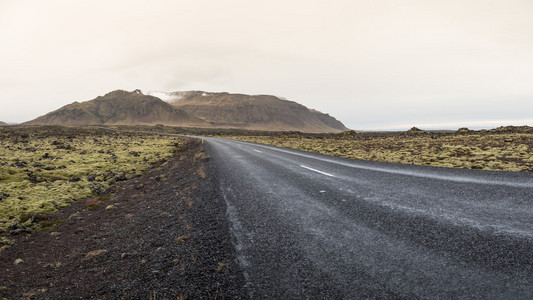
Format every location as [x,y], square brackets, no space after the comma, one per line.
[366,62]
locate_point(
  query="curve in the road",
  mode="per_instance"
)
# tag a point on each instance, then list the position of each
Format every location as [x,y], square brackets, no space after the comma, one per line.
[312,226]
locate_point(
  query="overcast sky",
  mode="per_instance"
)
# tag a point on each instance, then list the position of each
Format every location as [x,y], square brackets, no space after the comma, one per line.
[380,64]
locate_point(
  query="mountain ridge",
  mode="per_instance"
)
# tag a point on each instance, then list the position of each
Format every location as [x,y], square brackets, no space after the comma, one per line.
[118,108]
[193,109]
[254,112]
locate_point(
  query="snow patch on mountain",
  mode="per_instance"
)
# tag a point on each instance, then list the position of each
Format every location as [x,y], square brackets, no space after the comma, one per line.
[174,96]
[167,97]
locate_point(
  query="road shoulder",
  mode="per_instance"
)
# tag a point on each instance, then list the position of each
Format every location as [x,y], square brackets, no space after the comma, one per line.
[162,235]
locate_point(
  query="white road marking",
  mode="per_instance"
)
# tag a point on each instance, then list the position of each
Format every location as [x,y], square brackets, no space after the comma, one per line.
[257,151]
[414,173]
[418,173]
[314,170]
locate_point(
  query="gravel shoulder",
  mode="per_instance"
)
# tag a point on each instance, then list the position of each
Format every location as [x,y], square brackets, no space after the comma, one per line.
[162,235]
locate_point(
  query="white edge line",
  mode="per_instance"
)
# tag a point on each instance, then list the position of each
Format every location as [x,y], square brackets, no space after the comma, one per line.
[378,169]
[420,174]
[314,170]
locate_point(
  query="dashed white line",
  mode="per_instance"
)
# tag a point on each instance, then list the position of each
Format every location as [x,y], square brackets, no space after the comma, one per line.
[257,151]
[315,170]
[415,173]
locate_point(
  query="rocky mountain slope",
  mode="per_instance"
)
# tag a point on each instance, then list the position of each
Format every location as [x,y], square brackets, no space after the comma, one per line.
[119,108]
[257,112]
[193,109]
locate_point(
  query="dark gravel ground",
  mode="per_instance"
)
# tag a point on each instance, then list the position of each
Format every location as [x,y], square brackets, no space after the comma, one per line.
[167,238]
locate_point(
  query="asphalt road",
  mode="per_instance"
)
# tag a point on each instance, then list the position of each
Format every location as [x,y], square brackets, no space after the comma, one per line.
[313,226]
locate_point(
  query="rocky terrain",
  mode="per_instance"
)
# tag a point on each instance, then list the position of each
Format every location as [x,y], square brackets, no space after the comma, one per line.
[193,109]
[44,168]
[163,235]
[254,112]
[507,148]
[119,107]
[157,228]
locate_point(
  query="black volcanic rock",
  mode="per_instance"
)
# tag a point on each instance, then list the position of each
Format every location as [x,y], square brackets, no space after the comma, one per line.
[512,129]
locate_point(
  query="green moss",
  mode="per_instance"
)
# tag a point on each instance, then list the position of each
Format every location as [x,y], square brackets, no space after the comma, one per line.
[104,198]
[49,224]
[54,166]
[110,207]
[510,152]
[6,241]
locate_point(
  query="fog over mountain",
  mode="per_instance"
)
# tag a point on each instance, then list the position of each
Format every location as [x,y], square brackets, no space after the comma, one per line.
[193,109]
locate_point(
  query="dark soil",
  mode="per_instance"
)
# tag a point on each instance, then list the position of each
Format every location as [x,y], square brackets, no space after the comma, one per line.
[167,238]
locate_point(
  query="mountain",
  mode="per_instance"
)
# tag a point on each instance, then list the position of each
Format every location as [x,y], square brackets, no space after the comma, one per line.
[193,109]
[3,123]
[120,108]
[258,112]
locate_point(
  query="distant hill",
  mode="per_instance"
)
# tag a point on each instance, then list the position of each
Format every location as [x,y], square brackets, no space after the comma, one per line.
[3,123]
[512,129]
[259,112]
[119,108]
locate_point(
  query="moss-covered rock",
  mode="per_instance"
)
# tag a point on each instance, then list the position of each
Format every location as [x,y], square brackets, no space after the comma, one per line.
[45,168]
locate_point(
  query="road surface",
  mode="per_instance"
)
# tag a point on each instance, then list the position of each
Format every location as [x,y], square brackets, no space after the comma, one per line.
[312,226]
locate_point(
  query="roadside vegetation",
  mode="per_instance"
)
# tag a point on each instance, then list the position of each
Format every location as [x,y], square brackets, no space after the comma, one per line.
[502,149]
[45,168]
[508,148]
